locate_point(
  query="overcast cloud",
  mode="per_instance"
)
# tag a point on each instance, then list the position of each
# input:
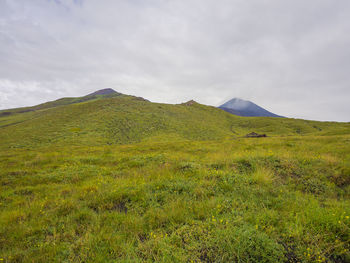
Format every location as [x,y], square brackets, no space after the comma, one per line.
[291,57]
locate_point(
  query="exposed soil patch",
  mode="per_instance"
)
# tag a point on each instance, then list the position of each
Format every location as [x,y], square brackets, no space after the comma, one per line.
[189,103]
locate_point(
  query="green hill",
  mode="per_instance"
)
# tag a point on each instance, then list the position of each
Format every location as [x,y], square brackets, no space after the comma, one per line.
[116,178]
[59,102]
[121,119]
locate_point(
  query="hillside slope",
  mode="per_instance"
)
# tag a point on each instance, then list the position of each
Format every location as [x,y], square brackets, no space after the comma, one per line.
[126,119]
[100,94]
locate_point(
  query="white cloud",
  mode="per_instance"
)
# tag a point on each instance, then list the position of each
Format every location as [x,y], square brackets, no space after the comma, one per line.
[19,93]
[290,57]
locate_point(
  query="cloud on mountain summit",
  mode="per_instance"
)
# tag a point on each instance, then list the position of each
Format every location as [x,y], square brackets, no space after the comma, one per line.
[290,57]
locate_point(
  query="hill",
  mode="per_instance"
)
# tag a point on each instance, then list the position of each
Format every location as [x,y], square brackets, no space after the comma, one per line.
[100,94]
[122,119]
[246,108]
[121,179]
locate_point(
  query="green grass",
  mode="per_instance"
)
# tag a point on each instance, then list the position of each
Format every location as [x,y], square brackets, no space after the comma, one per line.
[126,180]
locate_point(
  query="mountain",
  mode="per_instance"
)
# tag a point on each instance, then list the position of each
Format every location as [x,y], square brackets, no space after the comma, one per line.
[246,108]
[122,119]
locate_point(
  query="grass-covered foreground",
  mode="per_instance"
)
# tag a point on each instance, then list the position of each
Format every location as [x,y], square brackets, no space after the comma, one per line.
[280,199]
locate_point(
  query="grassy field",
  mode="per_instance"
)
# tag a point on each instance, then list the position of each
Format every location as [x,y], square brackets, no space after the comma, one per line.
[125,180]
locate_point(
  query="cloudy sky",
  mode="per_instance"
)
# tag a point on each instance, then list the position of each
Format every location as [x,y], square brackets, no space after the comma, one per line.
[291,57]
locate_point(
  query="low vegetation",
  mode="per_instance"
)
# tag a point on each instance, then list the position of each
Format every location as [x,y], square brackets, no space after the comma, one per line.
[171,183]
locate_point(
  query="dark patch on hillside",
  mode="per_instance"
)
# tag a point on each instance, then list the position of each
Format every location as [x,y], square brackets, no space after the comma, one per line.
[255,135]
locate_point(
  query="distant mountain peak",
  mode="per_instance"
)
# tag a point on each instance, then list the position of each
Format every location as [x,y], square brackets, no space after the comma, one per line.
[237,103]
[245,108]
[103,92]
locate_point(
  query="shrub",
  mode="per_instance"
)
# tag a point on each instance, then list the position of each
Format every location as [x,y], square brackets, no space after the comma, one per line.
[313,185]
[244,166]
[342,178]
[246,244]
[188,167]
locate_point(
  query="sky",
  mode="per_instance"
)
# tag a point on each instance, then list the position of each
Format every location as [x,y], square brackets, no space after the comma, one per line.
[290,57]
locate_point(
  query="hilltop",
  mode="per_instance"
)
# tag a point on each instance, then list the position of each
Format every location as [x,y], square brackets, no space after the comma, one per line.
[246,108]
[103,92]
